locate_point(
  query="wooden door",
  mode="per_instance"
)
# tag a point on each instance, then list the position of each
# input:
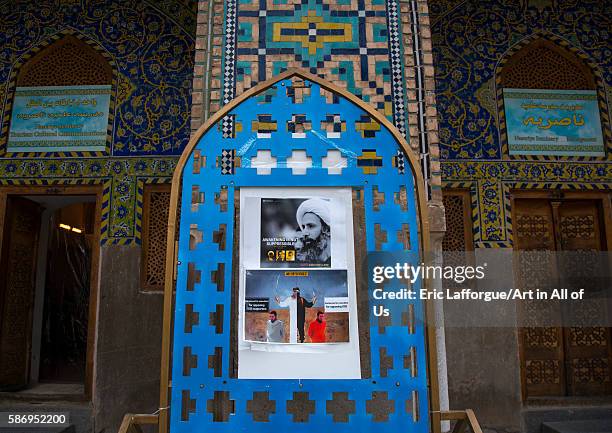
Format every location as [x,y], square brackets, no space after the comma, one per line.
[561,361]
[17,281]
[587,349]
[543,368]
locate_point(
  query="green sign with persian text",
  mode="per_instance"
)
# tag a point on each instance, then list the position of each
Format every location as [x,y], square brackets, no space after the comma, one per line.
[553,122]
[59,119]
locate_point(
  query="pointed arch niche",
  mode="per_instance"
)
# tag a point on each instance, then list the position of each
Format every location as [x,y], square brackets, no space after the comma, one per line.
[548,63]
[67,59]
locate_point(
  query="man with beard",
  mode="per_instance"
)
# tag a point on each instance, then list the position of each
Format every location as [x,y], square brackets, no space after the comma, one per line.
[316,329]
[275,329]
[297,313]
[313,247]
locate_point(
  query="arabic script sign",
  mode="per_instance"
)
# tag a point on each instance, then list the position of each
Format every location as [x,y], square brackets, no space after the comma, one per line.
[553,122]
[59,119]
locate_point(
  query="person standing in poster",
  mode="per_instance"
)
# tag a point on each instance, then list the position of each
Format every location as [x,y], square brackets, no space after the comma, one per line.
[316,329]
[275,331]
[297,313]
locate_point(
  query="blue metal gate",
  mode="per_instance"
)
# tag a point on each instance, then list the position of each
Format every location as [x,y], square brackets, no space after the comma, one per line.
[348,147]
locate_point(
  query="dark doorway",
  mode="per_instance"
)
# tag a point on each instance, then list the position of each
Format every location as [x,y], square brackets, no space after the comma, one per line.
[63,348]
[49,264]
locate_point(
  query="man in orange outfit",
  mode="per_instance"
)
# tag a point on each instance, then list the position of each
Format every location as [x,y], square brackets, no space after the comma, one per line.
[316,329]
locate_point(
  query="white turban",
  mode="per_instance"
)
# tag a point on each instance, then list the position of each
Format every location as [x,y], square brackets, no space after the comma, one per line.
[317,206]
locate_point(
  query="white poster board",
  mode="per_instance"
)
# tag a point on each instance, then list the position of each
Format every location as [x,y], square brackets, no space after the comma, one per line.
[297,261]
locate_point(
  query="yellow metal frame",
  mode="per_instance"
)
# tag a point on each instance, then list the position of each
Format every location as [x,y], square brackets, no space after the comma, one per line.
[131,422]
[463,418]
[171,251]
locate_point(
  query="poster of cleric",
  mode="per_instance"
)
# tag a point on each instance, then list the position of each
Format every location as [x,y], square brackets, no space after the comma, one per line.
[296,232]
[296,307]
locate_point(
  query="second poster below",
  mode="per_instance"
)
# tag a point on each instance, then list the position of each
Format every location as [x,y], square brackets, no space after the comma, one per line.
[310,306]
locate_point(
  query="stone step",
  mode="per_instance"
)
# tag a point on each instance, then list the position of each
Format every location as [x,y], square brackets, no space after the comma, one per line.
[585,426]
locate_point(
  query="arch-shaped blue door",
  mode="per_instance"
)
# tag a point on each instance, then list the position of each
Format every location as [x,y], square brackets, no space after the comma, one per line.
[347,145]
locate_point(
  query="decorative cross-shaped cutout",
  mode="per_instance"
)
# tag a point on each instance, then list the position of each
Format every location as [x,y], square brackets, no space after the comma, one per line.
[380,237]
[369,161]
[190,361]
[358,195]
[410,362]
[188,405]
[334,162]
[380,406]
[264,162]
[399,162]
[221,199]
[229,126]
[197,198]
[299,125]
[261,406]
[378,198]
[408,318]
[199,161]
[219,236]
[367,126]
[301,407]
[264,125]
[333,125]
[216,319]
[340,407]
[217,277]
[192,318]
[215,361]
[299,162]
[412,406]
[298,90]
[195,236]
[193,276]
[383,322]
[401,198]
[403,236]
[386,362]
[228,161]
[221,406]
